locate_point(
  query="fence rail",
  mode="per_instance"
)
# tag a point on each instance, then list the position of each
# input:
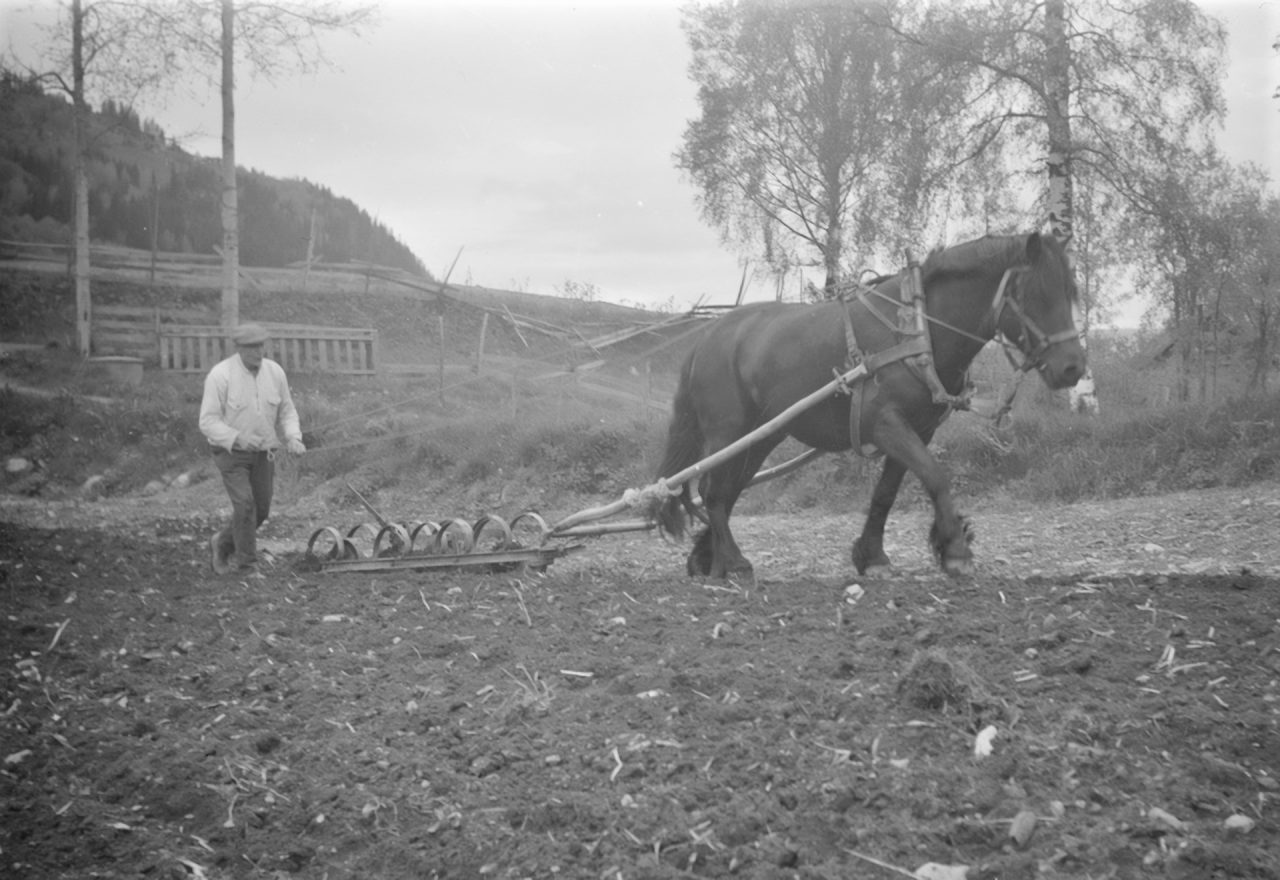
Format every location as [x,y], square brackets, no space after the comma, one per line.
[188,341]
[298,348]
[134,331]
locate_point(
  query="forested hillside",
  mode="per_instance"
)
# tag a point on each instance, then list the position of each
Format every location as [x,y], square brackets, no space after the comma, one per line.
[140,178]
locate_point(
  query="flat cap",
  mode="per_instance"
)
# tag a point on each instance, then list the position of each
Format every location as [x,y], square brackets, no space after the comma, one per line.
[249,334]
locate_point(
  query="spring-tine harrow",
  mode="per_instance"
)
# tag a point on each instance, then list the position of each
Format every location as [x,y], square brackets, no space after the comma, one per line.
[489,542]
[527,539]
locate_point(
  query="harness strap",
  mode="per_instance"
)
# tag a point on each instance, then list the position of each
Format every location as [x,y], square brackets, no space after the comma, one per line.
[852,352]
[911,291]
[922,364]
[914,347]
[997,304]
[915,350]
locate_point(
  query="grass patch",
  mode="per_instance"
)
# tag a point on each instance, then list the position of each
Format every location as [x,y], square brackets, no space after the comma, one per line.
[68,437]
[1055,455]
[564,445]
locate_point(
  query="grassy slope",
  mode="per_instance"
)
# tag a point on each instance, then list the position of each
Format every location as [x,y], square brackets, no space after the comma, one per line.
[556,442]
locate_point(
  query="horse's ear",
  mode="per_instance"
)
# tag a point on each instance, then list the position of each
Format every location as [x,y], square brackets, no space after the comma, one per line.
[1034,246]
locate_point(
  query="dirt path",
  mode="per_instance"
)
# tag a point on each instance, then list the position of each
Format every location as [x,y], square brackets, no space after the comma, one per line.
[1216,531]
[612,719]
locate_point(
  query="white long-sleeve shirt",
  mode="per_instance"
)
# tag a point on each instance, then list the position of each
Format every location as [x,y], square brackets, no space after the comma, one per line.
[238,404]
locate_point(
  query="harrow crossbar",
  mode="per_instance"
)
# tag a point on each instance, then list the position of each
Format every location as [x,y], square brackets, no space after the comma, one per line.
[536,556]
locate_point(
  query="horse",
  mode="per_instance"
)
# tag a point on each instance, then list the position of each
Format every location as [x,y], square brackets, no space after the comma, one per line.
[757,360]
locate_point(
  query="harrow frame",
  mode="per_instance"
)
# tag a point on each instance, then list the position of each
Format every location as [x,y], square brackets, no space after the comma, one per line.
[456,543]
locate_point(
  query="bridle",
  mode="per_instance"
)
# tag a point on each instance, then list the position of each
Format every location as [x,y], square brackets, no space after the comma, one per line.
[915,349]
[1030,331]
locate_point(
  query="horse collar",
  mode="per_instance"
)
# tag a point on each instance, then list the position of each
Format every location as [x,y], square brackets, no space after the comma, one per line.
[915,346]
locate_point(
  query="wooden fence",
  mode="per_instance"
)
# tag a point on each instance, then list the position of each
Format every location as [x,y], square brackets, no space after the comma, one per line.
[134,331]
[298,348]
[188,341]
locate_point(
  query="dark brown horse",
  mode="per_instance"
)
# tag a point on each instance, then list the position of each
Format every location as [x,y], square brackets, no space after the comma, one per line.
[759,359]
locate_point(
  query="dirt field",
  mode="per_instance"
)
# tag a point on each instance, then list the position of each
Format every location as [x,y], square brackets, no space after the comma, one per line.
[612,719]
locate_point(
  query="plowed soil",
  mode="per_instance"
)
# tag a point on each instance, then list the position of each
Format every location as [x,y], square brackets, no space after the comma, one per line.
[612,719]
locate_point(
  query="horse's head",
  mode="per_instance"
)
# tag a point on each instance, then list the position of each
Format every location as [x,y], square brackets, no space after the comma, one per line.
[1035,309]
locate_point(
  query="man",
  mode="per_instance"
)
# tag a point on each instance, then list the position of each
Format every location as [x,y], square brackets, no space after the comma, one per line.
[246,406]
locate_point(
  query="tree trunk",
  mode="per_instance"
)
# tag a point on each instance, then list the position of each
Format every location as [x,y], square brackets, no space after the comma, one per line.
[1202,374]
[80,223]
[1262,352]
[833,244]
[230,212]
[311,250]
[155,223]
[832,160]
[831,259]
[1217,345]
[1057,87]
[1062,211]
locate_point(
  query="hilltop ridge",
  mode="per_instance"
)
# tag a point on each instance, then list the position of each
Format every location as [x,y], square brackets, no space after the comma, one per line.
[146,190]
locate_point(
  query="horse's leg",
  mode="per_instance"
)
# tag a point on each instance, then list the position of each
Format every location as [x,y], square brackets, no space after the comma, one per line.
[724,485]
[950,533]
[698,562]
[868,550]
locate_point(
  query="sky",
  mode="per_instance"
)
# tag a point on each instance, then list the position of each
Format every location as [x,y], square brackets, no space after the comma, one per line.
[538,136]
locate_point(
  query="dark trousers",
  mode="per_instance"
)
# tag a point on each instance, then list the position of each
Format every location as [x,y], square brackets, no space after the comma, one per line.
[248,478]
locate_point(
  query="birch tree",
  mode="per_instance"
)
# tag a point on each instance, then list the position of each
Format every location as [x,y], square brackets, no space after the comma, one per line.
[271,38]
[1249,286]
[127,49]
[1115,88]
[104,50]
[816,136]
[1210,230]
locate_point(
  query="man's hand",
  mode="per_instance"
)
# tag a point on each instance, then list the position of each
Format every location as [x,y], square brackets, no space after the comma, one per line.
[251,441]
[295,447]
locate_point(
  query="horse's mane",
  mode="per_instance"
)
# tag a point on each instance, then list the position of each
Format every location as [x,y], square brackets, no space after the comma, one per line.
[961,259]
[1000,251]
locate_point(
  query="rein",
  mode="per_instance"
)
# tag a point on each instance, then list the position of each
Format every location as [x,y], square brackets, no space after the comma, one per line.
[1043,341]
[917,348]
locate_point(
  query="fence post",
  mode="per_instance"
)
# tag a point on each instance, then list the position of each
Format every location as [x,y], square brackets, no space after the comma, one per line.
[484,326]
[648,390]
[441,359]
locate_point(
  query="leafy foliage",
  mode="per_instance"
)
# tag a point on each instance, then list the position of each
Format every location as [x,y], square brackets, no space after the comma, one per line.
[816,134]
[863,128]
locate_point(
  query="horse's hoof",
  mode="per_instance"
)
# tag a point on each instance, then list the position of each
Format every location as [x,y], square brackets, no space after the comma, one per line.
[735,577]
[868,563]
[697,566]
[877,570]
[958,568]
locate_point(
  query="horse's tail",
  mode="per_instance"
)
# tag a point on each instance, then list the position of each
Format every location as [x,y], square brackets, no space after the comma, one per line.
[684,447]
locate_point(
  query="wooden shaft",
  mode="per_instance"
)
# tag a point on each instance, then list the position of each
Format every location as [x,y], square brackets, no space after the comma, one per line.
[808,402]
[672,483]
[786,467]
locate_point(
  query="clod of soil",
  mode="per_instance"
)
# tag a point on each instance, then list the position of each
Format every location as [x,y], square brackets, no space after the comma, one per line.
[615,719]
